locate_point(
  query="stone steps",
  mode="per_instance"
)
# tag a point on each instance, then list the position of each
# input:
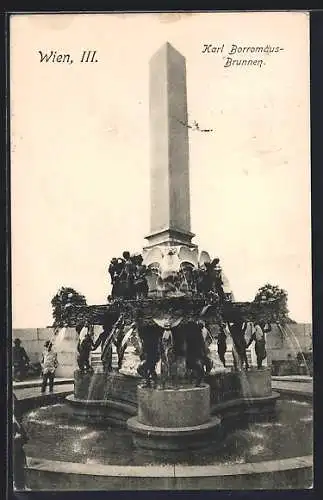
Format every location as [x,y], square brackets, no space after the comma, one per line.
[96,357]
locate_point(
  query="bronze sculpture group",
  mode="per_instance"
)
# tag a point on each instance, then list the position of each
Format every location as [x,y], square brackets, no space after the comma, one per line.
[128,277]
[183,350]
[182,346]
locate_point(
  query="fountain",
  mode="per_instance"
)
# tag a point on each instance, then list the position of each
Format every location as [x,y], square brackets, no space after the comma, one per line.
[153,388]
[185,298]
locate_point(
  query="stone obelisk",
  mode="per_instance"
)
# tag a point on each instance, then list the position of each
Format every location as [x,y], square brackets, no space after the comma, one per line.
[170,223]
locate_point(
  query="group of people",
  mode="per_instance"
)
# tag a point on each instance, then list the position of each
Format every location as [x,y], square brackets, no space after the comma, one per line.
[48,364]
[128,276]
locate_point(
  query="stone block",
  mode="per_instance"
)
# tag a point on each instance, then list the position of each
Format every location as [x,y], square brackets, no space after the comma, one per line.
[224,386]
[255,383]
[185,407]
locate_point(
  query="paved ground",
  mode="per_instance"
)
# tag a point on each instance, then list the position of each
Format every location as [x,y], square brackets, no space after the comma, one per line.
[292,386]
[30,392]
[30,388]
[35,382]
[293,378]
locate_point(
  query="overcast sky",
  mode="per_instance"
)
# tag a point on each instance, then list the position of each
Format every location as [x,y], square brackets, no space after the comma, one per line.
[80,152]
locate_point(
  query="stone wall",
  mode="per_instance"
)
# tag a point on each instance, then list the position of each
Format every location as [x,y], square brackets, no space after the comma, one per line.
[279,346]
[298,337]
[33,339]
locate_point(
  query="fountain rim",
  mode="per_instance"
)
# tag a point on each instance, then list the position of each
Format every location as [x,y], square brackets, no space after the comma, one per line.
[144,471]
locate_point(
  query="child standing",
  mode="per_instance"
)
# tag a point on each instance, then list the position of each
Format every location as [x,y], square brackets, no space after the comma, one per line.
[49,364]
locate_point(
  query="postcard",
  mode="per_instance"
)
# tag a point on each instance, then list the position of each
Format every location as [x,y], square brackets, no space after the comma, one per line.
[161,251]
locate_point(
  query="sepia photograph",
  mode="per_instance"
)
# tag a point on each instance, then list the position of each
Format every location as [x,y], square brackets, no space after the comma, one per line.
[161,251]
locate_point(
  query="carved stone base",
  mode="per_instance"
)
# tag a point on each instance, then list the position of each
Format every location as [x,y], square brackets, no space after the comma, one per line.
[174,419]
[185,407]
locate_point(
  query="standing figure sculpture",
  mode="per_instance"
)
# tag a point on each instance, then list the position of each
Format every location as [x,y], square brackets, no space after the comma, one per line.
[105,339]
[127,277]
[196,352]
[118,339]
[207,340]
[140,280]
[222,344]
[115,270]
[217,278]
[259,338]
[167,356]
[150,355]
[84,348]
[239,351]
[198,279]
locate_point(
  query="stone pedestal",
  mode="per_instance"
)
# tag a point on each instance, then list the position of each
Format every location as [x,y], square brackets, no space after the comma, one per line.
[255,383]
[100,386]
[173,419]
[174,407]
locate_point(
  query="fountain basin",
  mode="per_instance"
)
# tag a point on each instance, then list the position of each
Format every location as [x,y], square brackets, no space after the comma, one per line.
[101,458]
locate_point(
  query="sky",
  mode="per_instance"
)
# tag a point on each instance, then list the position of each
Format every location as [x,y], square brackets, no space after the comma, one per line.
[80,151]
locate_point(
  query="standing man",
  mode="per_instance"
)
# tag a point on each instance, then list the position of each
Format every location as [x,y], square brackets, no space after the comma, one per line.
[20,360]
[49,364]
